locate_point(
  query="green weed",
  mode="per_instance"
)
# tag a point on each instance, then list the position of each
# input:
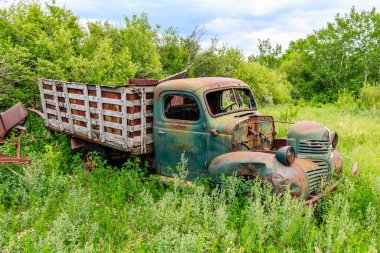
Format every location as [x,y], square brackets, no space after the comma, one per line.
[57,205]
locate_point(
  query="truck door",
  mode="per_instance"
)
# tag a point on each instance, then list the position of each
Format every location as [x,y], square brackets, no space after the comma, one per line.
[179,129]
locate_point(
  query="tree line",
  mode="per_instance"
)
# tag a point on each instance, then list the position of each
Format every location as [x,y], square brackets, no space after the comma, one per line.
[45,40]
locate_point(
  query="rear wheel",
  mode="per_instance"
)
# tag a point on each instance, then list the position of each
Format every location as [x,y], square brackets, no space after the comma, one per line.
[90,152]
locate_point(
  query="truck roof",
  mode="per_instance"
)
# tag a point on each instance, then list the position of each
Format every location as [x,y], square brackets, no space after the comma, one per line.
[198,85]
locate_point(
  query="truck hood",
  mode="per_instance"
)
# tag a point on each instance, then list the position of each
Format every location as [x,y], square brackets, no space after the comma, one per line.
[226,124]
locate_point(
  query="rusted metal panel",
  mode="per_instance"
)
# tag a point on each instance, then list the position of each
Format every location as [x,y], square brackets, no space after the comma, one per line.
[11,118]
[245,130]
[37,112]
[142,82]
[179,75]
[4,159]
[198,86]
[77,143]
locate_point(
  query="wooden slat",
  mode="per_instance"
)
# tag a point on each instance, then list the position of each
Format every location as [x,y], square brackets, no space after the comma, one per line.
[51,93]
[92,109]
[138,127]
[124,117]
[43,101]
[82,97]
[68,108]
[111,101]
[93,87]
[95,99]
[57,106]
[100,108]
[137,150]
[138,102]
[128,90]
[114,138]
[118,138]
[135,90]
[137,139]
[105,123]
[137,115]
[143,121]
[87,111]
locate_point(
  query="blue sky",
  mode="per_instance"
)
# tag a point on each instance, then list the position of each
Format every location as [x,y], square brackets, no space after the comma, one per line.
[238,23]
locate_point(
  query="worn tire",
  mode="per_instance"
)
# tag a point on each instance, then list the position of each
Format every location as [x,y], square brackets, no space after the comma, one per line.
[89,150]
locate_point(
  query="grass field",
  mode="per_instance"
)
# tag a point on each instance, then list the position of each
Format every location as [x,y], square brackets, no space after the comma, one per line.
[56,205]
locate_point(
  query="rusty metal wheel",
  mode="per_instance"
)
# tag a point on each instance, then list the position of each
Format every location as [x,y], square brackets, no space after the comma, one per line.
[90,152]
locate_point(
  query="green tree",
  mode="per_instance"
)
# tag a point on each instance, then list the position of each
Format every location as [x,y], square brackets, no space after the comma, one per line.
[214,61]
[343,55]
[140,38]
[177,52]
[16,76]
[268,85]
[269,55]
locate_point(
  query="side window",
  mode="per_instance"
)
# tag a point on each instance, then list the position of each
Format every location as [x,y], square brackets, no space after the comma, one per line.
[181,107]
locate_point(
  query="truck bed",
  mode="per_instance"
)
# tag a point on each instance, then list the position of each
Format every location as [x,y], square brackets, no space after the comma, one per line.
[117,117]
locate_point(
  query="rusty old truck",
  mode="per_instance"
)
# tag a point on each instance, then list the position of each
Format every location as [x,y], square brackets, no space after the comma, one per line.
[214,121]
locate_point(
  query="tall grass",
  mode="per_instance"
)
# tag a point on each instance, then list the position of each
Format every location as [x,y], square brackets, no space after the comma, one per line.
[56,205]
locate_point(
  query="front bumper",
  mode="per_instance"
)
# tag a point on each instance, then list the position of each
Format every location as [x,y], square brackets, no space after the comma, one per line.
[306,178]
[314,199]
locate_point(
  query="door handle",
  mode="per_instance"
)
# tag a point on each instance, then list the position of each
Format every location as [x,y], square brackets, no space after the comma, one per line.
[161,132]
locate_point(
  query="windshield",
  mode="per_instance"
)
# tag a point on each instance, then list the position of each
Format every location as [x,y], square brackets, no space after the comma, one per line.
[228,100]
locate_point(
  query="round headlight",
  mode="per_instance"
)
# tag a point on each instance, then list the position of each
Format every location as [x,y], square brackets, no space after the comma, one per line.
[286,155]
[334,139]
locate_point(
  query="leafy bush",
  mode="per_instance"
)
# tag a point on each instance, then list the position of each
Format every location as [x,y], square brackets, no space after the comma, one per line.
[56,205]
[370,95]
[346,99]
[268,86]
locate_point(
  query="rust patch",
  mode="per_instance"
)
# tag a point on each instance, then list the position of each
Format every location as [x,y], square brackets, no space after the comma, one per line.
[338,161]
[12,159]
[12,117]
[307,126]
[183,147]
[6,159]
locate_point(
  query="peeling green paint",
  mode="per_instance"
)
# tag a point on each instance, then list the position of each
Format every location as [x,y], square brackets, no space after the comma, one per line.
[241,142]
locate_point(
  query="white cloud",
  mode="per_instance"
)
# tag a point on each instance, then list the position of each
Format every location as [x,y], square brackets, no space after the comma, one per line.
[246,7]
[92,6]
[281,28]
[239,23]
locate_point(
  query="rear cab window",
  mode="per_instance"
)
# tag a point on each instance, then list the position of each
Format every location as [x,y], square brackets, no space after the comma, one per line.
[181,107]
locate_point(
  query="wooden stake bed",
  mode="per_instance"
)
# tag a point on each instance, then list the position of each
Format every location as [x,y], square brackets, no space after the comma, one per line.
[118,117]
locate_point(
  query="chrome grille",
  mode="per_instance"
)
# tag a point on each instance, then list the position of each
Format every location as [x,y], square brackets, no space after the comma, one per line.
[317,176]
[308,147]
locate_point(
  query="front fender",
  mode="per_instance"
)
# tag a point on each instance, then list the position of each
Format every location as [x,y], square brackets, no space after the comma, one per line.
[264,166]
[242,163]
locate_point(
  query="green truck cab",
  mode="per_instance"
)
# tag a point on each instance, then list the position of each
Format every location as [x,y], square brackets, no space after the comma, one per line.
[216,124]
[213,121]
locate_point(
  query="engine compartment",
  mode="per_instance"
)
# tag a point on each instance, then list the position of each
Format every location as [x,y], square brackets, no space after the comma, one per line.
[255,133]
